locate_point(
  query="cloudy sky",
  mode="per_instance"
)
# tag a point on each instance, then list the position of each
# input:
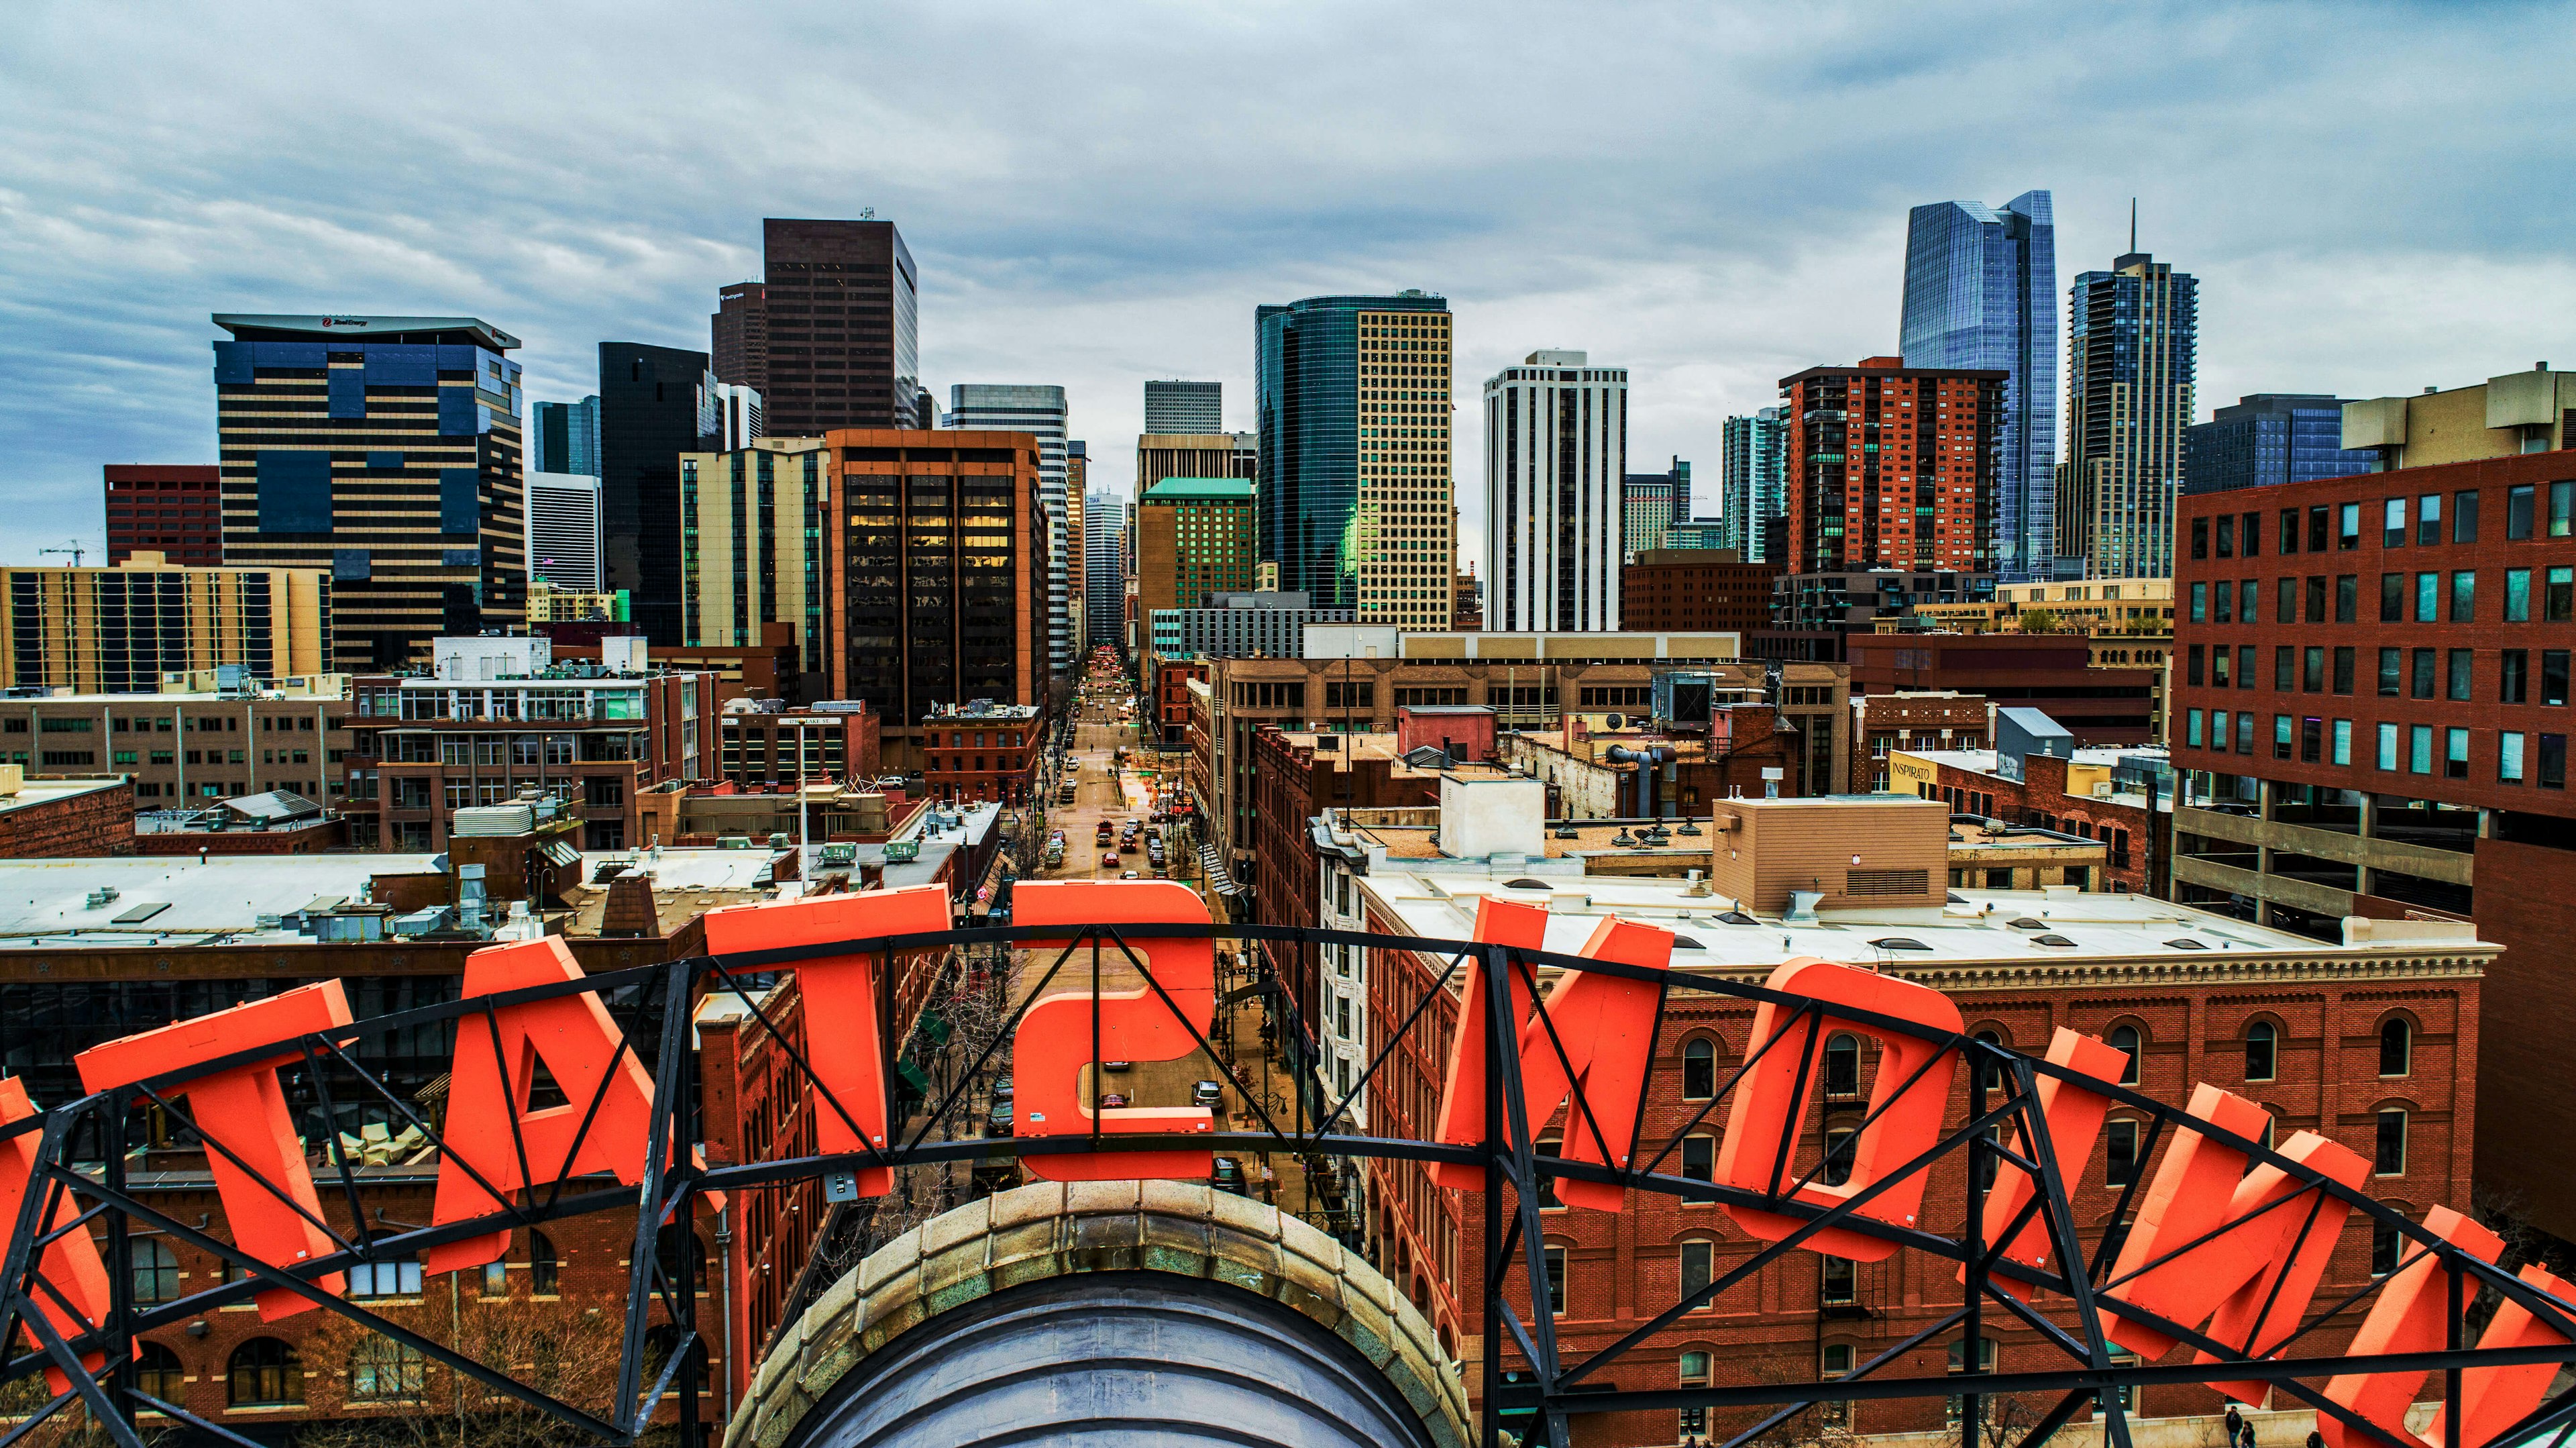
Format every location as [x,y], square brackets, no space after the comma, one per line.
[2375,198]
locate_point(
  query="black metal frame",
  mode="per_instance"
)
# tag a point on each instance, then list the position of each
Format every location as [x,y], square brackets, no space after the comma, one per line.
[1508,1158]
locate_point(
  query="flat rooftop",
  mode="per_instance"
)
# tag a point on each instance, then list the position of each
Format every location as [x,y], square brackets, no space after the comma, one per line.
[49,791]
[217,901]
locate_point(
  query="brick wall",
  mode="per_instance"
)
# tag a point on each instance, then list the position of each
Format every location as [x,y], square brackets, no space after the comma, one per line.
[93,822]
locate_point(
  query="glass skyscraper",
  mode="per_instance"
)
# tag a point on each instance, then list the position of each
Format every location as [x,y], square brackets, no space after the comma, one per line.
[567,437]
[2132,353]
[1752,471]
[1039,409]
[1328,532]
[1981,292]
[2270,437]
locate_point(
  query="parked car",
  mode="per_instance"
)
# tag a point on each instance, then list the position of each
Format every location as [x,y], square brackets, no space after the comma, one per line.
[1109,859]
[1002,1089]
[999,1121]
[1117,1065]
[1130,875]
[1228,1176]
[1207,1093]
[1112,1101]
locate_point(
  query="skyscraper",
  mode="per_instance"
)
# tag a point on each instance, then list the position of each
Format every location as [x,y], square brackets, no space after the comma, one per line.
[1104,542]
[1194,540]
[1077,549]
[1556,460]
[754,546]
[654,405]
[563,530]
[1753,470]
[566,437]
[2270,437]
[1353,408]
[1891,466]
[1981,293]
[1185,407]
[2133,336]
[1040,411]
[175,510]
[831,337]
[402,476]
[1648,504]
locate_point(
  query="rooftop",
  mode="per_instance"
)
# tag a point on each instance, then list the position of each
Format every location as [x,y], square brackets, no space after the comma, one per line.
[1200,490]
[166,900]
[33,792]
[251,327]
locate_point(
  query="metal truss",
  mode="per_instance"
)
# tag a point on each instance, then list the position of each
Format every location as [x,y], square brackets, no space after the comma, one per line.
[81,1146]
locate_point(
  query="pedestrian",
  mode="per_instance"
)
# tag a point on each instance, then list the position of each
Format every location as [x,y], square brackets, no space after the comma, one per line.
[2316,1439]
[2246,1440]
[2235,1425]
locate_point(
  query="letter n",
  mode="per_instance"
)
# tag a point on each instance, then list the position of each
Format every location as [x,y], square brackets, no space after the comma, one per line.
[258,1166]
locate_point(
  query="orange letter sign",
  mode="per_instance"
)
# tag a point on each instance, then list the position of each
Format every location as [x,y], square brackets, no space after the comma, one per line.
[1055,1037]
[573,1035]
[1905,1121]
[1606,1024]
[71,1265]
[842,1039]
[244,1111]
[2074,1118]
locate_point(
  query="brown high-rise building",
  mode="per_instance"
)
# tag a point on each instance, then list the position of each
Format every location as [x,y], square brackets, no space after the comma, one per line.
[174,510]
[939,546]
[830,338]
[1891,466]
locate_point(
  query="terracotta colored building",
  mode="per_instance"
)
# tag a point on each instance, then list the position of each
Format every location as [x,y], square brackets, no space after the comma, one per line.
[2052,672]
[172,509]
[1171,695]
[1891,466]
[773,751]
[2054,794]
[1884,723]
[957,763]
[1693,589]
[64,818]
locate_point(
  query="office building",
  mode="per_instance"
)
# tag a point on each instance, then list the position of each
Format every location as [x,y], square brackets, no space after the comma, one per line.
[729,415]
[1194,540]
[1891,466]
[2502,417]
[1556,457]
[1981,293]
[566,437]
[1241,626]
[753,547]
[402,478]
[2132,343]
[962,765]
[1694,590]
[1161,455]
[173,510]
[2372,710]
[1755,470]
[1353,408]
[549,605]
[2050,672]
[188,746]
[1040,412]
[1104,543]
[119,630]
[2270,437]
[939,542]
[655,403]
[831,337]
[563,530]
[1077,545]
[1648,504]
[1185,407]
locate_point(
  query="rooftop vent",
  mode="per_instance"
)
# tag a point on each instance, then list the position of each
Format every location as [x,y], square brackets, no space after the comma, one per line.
[1899,942]
[2187,943]
[2026,923]
[1525,883]
[1737,917]
[1684,942]
[2060,941]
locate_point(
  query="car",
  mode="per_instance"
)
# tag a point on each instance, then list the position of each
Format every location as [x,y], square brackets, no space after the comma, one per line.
[1002,1089]
[1130,875]
[1109,859]
[1207,1093]
[998,1121]
[1117,1065]
[1228,1176]
[1112,1101]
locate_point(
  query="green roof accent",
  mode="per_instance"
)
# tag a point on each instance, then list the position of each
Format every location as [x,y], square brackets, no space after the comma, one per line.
[1200,490]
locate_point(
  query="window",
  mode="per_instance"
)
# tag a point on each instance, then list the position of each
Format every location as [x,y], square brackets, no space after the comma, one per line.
[2316,612]
[2192,736]
[2245,666]
[2285,601]
[157,1372]
[2312,740]
[2387,1246]
[2347,597]
[2200,537]
[2343,660]
[2392,531]
[384,1279]
[1699,1069]
[2392,598]
[2553,761]
[2224,610]
[2419,749]
[2226,537]
[1837,1363]
[2126,1041]
[2517,595]
[2218,730]
[1695,1374]
[382,1370]
[2562,509]
[2191,664]
[2317,529]
[2464,517]
[496,1279]
[2348,526]
[2388,1157]
[2455,754]
[2459,668]
[2509,758]
[2553,676]
[2200,603]
[2261,1053]
[1698,1270]
[1986,1345]
[263,1372]
[2517,513]
[2218,670]
[2428,593]
[2422,673]
[1556,1281]
[2285,668]
[1842,1068]
[2428,519]
[2289,531]
[541,1265]
[1549,1146]
[2396,1047]
[2312,670]
[2280,736]
[2464,596]
[2558,596]
[1839,1145]
[2388,746]
[2248,604]
[155,1269]
[1839,1281]
[1699,1164]
[2122,1162]
[2342,741]
[2391,673]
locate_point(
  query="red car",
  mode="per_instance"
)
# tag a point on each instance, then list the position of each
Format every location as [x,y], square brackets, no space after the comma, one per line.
[1109,860]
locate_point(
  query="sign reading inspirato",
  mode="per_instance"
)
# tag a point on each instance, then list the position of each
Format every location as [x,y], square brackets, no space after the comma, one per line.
[2234,1270]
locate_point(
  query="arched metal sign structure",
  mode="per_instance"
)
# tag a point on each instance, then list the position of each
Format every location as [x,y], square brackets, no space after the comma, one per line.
[1535,1027]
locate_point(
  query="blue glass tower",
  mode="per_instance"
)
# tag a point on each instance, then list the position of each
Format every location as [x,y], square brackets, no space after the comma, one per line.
[2270,437]
[1981,291]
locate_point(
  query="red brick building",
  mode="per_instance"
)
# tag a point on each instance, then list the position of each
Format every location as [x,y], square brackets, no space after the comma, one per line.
[1692,590]
[2301,1028]
[958,762]
[762,750]
[1883,723]
[1969,781]
[2050,672]
[2373,686]
[167,508]
[1169,701]
[1891,466]
[64,818]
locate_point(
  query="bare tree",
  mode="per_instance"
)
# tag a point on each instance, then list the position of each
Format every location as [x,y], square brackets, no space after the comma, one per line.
[371,1392]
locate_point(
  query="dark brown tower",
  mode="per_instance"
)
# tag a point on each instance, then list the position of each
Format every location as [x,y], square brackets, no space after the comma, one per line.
[831,337]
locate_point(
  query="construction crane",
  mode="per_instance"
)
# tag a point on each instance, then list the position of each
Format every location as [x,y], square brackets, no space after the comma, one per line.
[75,550]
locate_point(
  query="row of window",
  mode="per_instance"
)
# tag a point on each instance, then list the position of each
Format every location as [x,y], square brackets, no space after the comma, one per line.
[2521,757]
[2419,597]
[2422,673]
[2234,535]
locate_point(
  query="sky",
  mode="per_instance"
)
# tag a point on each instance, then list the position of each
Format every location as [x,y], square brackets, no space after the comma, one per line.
[1101,193]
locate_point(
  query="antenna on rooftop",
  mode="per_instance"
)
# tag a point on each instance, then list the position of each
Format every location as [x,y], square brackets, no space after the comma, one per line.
[2133,225]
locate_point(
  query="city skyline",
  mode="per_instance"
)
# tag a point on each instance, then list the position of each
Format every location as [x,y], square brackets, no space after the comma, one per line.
[1710,277]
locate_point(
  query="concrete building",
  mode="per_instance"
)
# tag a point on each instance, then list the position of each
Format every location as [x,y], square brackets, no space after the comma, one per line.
[1357,509]
[1648,504]
[565,437]
[754,547]
[173,510]
[549,606]
[402,480]
[2270,437]
[1104,528]
[1981,292]
[1556,457]
[2520,412]
[189,746]
[119,630]
[1195,455]
[761,748]
[2132,350]
[2378,719]
[1753,486]
[939,540]
[1241,626]
[1195,539]
[564,531]
[1184,407]
[831,338]
[1077,545]
[1891,466]
[1695,590]
[1040,412]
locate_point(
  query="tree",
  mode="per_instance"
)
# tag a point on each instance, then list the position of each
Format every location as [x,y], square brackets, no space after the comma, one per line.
[2038,621]
[374,1393]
